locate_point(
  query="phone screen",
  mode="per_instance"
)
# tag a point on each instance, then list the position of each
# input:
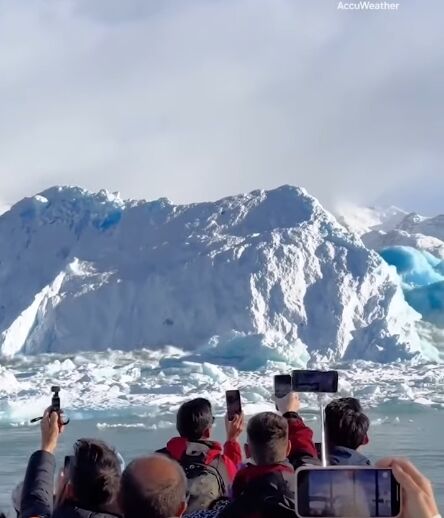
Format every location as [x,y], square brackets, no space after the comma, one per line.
[233,404]
[282,385]
[347,492]
[315,381]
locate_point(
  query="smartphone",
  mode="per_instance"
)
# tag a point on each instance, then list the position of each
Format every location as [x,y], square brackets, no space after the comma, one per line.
[346,492]
[233,404]
[282,385]
[314,381]
[68,461]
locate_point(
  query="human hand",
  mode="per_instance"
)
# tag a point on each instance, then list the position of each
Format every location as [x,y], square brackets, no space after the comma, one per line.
[235,427]
[418,500]
[288,403]
[50,430]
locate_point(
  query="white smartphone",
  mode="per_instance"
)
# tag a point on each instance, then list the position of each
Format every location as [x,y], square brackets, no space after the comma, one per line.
[347,492]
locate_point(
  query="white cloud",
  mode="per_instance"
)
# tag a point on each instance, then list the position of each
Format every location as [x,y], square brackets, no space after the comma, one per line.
[194,100]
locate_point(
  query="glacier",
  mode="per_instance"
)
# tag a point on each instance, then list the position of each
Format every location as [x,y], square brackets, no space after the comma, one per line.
[252,278]
[381,228]
[422,276]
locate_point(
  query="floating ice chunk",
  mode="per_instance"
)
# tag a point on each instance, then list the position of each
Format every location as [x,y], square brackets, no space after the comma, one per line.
[103,426]
[250,352]
[423,401]
[161,425]
[57,367]
[214,372]
[8,382]
[379,421]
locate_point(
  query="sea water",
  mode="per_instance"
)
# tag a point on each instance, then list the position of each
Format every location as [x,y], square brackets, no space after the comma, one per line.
[130,399]
[399,430]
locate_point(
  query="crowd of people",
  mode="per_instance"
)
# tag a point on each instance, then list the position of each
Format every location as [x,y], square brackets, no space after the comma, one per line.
[195,476]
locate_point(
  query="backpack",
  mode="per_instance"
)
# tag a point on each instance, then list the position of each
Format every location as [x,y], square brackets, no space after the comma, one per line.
[270,496]
[206,482]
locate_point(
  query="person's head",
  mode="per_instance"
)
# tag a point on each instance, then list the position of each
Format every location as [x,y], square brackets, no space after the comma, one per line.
[92,475]
[345,423]
[195,419]
[268,438]
[153,487]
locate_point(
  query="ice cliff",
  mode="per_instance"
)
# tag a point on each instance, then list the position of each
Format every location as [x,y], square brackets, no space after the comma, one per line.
[265,271]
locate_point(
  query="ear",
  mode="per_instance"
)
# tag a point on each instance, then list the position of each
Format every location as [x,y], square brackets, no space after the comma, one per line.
[288,448]
[181,510]
[247,451]
[207,433]
[366,440]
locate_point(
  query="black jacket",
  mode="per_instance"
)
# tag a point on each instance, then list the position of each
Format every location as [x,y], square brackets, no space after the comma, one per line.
[38,492]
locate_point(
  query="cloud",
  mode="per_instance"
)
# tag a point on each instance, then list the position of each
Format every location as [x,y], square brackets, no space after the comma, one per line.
[195,100]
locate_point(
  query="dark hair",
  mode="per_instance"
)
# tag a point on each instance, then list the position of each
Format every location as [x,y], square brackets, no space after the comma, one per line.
[94,473]
[148,496]
[346,425]
[268,438]
[193,418]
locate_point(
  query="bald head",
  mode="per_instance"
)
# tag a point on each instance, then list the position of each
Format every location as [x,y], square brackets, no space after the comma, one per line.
[153,487]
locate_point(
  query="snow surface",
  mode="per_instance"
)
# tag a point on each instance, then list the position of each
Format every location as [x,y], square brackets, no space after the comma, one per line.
[361,220]
[265,276]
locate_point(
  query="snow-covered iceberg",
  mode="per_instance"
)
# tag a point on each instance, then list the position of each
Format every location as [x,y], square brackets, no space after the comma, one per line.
[381,228]
[269,269]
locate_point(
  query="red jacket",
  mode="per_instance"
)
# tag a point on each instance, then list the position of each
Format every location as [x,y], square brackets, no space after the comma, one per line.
[231,453]
[300,436]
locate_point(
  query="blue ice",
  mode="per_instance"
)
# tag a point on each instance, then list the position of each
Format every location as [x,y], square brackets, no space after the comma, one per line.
[422,276]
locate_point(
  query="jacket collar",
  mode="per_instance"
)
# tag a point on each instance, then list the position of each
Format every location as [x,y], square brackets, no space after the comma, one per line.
[347,456]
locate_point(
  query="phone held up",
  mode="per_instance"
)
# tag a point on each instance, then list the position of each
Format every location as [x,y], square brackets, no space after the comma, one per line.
[344,491]
[234,406]
[282,385]
[314,381]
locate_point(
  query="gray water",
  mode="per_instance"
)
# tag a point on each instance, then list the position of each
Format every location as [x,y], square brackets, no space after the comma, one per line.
[404,430]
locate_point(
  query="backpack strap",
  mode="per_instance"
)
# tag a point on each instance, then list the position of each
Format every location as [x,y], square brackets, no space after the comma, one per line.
[222,473]
[197,452]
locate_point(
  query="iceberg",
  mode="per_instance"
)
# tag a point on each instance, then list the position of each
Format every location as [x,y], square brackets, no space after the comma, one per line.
[422,276]
[381,228]
[268,275]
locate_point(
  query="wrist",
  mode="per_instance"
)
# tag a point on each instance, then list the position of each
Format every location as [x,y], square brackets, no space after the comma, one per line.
[290,414]
[48,448]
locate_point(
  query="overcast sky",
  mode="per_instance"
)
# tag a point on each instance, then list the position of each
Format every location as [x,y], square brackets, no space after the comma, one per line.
[197,99]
